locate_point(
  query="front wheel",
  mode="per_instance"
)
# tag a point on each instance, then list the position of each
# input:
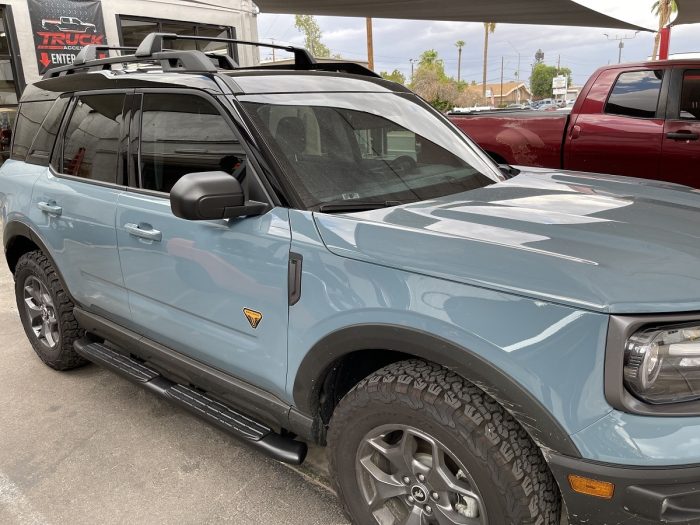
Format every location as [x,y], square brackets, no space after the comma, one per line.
[416,444]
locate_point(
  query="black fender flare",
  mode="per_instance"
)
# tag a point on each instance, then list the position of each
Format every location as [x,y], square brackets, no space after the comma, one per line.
[15,229]
[527,410]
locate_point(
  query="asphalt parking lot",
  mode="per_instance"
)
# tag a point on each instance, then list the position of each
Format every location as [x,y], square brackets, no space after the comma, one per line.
[89,447]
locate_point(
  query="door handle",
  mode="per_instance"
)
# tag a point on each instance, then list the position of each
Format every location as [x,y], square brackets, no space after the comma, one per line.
[50,208]
[145,231]
[682,135]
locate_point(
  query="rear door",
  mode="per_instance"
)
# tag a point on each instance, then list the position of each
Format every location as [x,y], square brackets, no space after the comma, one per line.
[620,130]
[681,143]
[74,201]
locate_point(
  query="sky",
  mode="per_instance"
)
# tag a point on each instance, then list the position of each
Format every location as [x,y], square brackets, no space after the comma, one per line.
[397,41]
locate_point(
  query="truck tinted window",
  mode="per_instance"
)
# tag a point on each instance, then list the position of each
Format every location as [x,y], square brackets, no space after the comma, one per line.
[29,119]
[690,96]
[182,134]
[636,94]
[46,136]
[91,143]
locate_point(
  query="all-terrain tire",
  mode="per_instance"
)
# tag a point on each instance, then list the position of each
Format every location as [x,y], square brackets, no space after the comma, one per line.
[62,356]
[508,468]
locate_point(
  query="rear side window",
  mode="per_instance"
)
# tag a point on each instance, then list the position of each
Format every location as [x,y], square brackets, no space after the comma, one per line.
[92,137]
[635,94]
[46,136]
[690,96]
[180,134]
[29,119]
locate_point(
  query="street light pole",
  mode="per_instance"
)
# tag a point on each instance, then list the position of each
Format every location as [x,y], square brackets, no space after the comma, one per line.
[370,45]
[412,61]
[621,44]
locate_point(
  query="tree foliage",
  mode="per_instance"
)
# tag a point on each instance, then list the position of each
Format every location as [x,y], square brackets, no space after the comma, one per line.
[308,26]
[541,79]
[432,83]
[394,76]
[663,9]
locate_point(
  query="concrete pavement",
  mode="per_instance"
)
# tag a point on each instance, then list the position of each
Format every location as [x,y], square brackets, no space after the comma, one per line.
[87,446]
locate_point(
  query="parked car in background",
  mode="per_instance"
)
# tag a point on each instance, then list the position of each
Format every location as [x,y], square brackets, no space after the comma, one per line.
[640,120]
[314,254]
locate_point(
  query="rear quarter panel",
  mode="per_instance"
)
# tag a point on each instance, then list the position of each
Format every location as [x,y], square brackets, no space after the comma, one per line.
[521,138]
[17,181]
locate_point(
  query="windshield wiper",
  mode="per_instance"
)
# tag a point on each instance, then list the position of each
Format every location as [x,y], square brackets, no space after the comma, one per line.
[351,206]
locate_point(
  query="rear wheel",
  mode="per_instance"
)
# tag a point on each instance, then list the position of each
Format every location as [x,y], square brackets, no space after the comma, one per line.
[416,444]
[46,312]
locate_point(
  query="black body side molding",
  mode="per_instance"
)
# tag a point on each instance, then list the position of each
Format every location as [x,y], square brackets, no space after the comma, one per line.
[324,355]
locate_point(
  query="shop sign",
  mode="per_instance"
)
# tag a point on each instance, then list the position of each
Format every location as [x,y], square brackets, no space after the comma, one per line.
[61,28]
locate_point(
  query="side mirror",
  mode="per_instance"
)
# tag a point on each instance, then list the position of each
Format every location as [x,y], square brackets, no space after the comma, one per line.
[211,195]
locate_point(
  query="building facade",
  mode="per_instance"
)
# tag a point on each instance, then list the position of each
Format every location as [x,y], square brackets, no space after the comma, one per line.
[36,35]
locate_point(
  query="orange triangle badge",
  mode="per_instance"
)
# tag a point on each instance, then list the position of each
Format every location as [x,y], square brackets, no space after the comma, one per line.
[253,317]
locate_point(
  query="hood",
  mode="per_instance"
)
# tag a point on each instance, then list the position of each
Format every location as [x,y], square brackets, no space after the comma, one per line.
[603,243]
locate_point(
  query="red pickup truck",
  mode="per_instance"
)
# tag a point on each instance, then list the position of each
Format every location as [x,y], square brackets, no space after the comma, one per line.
[641,120]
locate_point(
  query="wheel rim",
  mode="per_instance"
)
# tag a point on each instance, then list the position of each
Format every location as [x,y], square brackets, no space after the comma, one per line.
[407,477]
[41,312]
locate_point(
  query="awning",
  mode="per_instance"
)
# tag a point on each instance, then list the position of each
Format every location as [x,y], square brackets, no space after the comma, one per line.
[688,12]
[540,12]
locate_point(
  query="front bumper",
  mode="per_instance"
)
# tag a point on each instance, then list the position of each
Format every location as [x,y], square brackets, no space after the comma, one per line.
[642,495]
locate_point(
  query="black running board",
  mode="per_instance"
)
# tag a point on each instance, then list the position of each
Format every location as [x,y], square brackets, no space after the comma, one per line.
[224,417]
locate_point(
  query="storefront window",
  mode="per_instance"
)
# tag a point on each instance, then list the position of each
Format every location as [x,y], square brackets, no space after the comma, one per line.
[9,88]
[133,30]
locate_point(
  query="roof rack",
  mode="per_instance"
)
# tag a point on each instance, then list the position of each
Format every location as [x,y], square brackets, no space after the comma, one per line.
[152,50]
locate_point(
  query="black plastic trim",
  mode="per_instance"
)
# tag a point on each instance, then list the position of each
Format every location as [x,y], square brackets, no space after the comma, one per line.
[642,495]
[620,329]
[183,369]
[15,229]
[325,354]
[295,266]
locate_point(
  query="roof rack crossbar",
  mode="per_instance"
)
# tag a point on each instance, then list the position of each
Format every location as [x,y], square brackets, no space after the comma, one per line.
[89,52]
[153,43]
[170,61]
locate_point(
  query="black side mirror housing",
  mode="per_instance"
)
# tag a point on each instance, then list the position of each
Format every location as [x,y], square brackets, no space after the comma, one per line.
[211,195]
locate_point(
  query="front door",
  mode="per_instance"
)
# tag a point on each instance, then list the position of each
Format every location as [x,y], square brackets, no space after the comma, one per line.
[623,134]
[74,202]
[199,287]
[681,149]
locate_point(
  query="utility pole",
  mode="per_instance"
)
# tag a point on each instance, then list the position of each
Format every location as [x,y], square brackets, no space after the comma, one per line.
[621,44]
[501,80]
[370,45]
[412,61]
[273,49]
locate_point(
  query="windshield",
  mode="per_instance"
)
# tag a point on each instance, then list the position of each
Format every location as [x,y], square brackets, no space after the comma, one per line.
[366,148]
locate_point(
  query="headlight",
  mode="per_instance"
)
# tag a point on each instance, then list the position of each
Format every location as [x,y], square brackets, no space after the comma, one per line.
[663,365]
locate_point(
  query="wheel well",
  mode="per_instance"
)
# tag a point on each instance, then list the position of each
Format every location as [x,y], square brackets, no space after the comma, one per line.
[16,247]
[349,370]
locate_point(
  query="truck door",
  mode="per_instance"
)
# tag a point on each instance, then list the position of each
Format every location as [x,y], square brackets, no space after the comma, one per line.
[619,134]
[681,141]
[215,290]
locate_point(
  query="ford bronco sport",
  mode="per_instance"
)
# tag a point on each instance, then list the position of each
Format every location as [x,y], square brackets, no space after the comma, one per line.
[313,254]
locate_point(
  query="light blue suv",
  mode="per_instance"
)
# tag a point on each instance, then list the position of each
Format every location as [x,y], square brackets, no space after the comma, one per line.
[313,254]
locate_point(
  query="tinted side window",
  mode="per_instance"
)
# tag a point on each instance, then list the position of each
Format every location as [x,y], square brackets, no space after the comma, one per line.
[180,134]
[31,115]
[91,143]
[690,96]
[46,137]
[636,94]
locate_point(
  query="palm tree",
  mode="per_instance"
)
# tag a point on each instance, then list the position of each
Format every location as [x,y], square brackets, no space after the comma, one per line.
[489,27]
[663,9]
[460,45]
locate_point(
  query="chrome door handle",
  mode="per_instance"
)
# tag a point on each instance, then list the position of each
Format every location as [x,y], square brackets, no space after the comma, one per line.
[49,208]
[144,231]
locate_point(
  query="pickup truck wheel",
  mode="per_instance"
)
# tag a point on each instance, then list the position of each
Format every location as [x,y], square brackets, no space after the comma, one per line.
[416,444]
[46,312]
